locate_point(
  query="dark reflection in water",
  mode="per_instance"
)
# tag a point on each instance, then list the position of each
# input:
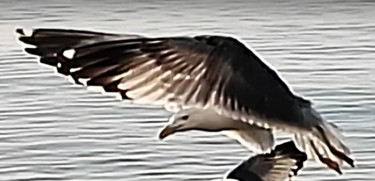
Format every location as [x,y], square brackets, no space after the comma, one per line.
[53,130]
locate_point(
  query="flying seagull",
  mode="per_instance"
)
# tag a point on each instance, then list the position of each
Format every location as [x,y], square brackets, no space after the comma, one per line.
[280,165]
[211,83]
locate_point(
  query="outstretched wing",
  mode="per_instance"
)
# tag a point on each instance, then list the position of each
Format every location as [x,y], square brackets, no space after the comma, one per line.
[280,165]
[202,71]
[50,42]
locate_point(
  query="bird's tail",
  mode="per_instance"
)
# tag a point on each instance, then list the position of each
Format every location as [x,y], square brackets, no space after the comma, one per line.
[325,144]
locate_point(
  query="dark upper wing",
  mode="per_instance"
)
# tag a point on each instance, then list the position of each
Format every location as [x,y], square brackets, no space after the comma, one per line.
[281,164]
[215,71]
[49,42]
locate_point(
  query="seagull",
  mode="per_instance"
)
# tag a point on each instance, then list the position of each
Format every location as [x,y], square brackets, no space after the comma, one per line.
[280,165]
[209,82]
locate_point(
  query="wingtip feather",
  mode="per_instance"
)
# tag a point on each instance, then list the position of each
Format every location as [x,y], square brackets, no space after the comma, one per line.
[33,51]
[20,31]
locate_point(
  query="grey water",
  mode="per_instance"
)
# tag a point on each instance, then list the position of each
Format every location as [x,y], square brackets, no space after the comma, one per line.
[51,129]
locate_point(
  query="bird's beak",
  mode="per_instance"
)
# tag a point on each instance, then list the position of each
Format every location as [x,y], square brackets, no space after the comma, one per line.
[168,130]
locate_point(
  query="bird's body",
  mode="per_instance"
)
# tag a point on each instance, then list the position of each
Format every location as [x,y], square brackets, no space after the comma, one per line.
[217,77]
[253,137]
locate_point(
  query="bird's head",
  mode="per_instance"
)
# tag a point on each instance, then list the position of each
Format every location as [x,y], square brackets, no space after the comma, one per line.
[181,121]
[191,119]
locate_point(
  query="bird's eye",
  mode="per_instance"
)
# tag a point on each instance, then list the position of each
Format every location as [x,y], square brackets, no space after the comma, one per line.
[185,117]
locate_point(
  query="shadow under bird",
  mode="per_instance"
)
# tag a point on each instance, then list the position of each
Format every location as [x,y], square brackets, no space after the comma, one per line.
[211,83]
[281,164]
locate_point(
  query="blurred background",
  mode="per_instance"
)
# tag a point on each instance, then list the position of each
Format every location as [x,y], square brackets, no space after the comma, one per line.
[53,130]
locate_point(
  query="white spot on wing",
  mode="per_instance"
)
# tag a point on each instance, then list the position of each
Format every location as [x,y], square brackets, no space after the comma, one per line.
[267,126]
[259,124]
[69,54]
[75,69]
[28,32]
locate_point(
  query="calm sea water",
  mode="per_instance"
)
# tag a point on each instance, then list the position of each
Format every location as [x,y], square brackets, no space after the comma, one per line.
[53,130]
